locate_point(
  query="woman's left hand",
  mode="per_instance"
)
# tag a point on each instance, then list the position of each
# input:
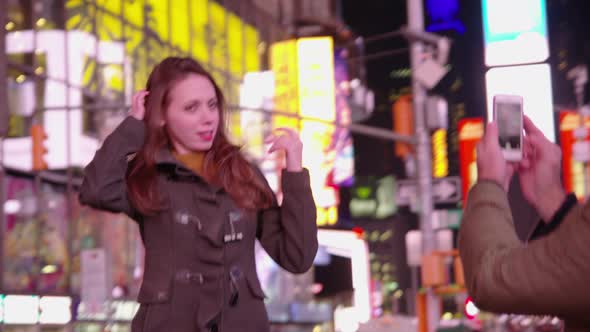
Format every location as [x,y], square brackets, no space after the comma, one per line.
[288,140]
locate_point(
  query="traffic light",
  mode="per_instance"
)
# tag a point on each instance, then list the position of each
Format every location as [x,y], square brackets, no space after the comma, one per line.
[403,123]
[38,137]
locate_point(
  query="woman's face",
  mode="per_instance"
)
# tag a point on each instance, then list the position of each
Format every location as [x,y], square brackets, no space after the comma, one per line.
[192,116]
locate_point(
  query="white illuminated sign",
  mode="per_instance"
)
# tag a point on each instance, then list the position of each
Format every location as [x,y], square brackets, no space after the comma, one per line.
[533,83]
[55,310]
[348,244]
[257,92]
[515,32]
[81,45]
[317,101]
[124,310]
[21,309]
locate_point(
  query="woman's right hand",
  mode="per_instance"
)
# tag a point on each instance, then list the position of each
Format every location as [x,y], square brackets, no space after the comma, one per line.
[138,104]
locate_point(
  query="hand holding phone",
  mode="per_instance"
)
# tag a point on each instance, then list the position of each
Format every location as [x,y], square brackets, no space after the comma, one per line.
[508,114]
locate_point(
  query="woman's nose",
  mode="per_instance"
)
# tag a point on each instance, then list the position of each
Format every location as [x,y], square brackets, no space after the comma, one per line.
[208,118]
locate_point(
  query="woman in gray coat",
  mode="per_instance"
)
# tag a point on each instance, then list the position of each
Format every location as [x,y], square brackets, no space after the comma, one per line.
[199,205]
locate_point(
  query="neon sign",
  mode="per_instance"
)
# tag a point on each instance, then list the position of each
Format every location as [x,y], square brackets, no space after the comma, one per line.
[515,32]
[444,16]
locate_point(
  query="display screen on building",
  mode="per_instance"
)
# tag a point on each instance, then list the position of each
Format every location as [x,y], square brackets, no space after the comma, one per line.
[515,32]
[343,172]
[305,87]
[533,83]
[573,170]
[440,158]
[470,133]
[112,47]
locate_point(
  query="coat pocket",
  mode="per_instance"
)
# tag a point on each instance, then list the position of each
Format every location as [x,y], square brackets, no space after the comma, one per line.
[254,286]
[157,317]
[156,300]
[155,292]
[151,317]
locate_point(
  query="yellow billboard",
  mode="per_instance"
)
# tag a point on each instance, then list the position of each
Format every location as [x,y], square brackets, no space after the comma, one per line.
[283,63]
[304,85]
[202,29]
[196,27]
[317,101]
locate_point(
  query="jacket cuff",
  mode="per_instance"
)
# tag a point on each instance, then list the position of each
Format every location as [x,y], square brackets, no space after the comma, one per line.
[543,228]
[570,201]
[295,181]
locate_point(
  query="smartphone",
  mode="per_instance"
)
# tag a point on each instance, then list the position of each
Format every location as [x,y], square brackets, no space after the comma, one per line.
[508,114]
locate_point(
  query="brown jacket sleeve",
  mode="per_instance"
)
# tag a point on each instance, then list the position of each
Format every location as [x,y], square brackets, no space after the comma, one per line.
[104,185]
[546,277]
[288,232]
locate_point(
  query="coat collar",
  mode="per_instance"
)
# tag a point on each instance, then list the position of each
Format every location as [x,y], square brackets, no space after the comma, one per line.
[165,160]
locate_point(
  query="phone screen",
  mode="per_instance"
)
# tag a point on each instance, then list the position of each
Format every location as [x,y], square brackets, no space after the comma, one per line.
[509,118]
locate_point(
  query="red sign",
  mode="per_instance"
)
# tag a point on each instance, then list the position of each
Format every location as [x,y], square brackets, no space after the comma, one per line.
[573,179]
[470,132]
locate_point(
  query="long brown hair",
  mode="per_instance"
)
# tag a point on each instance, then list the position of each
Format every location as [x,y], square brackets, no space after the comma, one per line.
[224,164]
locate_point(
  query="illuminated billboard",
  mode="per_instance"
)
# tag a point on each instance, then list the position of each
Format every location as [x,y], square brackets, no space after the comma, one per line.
[283,63]
[315,58]
[533,83]
[573,170]
[470,133]
[515,32]
[343,172]
[440,158]
[304,86]
[120,52]
[52,43]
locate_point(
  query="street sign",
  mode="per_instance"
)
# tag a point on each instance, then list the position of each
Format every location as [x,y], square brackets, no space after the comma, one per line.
[444,190]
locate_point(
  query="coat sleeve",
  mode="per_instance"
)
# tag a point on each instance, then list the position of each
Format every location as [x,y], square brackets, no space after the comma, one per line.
[288,232]
[548,276]
[104,186]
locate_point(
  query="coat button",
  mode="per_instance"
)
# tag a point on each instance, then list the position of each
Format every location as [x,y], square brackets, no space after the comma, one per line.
[197,221]
[234,216]
[196,277]
[182,218]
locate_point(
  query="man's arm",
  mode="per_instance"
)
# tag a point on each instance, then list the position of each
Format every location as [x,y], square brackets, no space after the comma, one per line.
[547,277]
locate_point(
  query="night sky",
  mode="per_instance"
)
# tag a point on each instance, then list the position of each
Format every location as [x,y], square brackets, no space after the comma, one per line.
[376,156]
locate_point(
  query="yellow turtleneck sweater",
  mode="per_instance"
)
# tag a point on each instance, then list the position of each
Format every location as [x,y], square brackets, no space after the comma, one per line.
[192,160]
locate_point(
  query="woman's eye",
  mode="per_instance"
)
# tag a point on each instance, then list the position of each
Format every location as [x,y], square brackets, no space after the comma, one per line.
[191,108]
